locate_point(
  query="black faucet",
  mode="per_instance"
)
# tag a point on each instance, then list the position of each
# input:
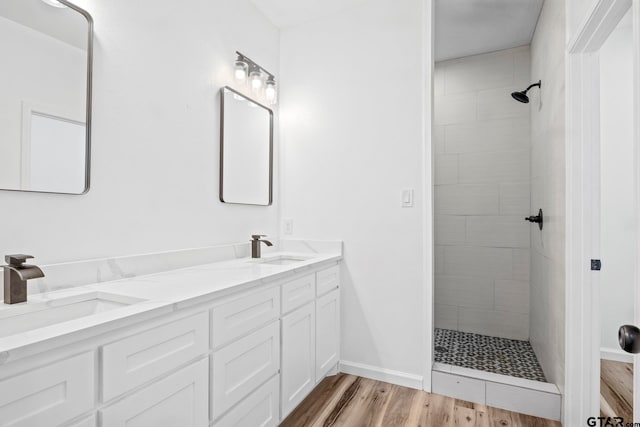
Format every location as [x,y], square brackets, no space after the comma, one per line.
[255,244]
[16,274]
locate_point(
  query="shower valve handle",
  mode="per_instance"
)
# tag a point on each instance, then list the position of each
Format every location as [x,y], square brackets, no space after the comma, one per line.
[537,219]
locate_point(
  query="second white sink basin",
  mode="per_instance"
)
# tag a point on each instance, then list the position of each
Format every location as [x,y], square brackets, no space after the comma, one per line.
[29,316]
[282,260]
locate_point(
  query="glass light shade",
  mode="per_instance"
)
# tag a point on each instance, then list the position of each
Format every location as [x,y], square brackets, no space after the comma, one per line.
[270,91]
[255,78]
[54,3]
[241,69]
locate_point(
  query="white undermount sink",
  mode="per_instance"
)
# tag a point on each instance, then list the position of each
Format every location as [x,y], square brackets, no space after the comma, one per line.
[282,260]
[30,316]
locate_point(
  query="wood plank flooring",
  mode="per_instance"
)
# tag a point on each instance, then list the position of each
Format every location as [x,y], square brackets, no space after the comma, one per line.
[347,400]
[616,389]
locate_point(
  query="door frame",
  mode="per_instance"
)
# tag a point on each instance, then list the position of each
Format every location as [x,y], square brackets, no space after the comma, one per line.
[582,345]
[428,306]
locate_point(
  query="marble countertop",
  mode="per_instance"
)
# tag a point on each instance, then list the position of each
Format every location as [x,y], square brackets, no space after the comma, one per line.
[159,294]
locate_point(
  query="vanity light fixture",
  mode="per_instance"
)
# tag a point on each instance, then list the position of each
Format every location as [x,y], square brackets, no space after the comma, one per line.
[241,71]
[54,3]
[260,80]
[270,91]
[255,78]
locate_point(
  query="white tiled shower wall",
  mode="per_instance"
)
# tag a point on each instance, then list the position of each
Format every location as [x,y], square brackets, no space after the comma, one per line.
[548,191]
[482,193]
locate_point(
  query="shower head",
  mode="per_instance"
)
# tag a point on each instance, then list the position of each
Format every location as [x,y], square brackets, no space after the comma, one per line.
[521,96]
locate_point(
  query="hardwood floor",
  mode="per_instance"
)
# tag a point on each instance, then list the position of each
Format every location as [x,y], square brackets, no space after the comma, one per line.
[616,389]
[347,400]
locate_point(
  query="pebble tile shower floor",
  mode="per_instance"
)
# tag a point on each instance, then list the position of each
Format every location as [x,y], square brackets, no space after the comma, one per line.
[498,355]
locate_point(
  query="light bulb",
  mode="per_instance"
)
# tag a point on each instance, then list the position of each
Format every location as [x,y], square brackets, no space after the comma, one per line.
[241,71]
[270,92]
[54,3]
[256,80]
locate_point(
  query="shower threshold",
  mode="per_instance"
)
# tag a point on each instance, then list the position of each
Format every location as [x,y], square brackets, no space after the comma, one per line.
[472,367]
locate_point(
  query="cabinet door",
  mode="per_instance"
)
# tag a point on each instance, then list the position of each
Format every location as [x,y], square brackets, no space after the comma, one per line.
[181,399]
[298,356]
[327,333]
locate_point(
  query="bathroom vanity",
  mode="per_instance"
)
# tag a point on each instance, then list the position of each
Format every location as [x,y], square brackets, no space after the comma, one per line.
[233,343]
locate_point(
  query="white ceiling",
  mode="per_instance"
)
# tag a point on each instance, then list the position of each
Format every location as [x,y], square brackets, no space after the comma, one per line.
[462,27]
[471,27]
[63,24]
[287,13]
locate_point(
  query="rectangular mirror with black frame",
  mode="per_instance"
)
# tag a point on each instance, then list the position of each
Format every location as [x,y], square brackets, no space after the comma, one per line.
[45,107]
[246,150]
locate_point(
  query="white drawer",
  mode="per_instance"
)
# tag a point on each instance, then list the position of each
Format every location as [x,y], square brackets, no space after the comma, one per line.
[260,408]
[298,292]
[132,361]
[50,395]
[179,400]
[235,318]
[242,366]
[327,280]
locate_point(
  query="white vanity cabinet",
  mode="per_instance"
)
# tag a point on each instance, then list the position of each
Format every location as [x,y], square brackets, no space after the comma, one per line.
[246,359]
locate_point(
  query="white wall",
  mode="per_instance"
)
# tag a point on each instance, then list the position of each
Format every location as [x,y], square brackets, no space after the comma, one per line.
[618,215]
[548,191]
[158,69]
[42,71]
[482,179]
[351,109]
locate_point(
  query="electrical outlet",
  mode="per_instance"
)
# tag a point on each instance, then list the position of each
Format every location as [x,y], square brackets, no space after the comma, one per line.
[287,226]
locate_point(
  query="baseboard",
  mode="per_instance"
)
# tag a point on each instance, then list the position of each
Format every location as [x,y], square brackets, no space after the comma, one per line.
[381,374]
[615,355]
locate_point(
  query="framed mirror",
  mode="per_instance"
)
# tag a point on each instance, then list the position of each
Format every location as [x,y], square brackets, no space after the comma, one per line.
[246,150]
[45,108]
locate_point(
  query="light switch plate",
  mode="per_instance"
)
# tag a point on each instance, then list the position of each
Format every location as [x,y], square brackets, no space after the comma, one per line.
[287,226]
[407,198]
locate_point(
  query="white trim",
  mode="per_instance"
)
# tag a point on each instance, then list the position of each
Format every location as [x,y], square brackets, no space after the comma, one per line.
[615,355]
[381,374]
[582,323]
[497,378]
[635,11]
[427,192]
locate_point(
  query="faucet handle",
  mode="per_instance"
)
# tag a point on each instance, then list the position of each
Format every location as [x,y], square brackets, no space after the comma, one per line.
[257,236]
[16,260]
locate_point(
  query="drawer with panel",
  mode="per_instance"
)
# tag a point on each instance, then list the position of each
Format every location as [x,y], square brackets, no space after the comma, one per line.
[50,395]
[298,292]
[135,360]
[327,280]
[260,408]
[233,319]
[241,367]
[179,400]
